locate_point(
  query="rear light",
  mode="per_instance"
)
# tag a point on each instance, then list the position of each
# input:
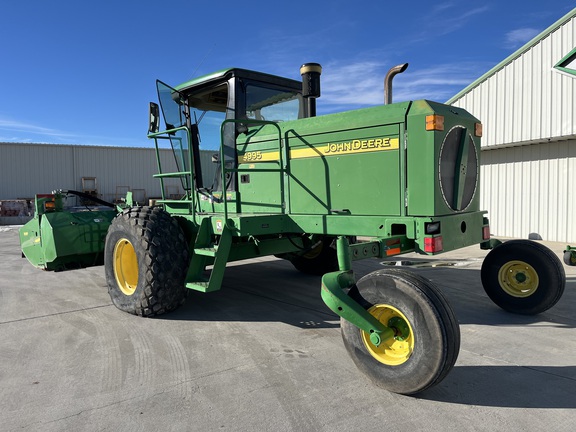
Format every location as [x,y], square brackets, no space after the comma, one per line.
[486,232]
[433,244]
[432,228]
[434,122]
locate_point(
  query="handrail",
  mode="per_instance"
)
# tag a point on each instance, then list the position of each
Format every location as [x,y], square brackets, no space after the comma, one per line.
[166,136]
[172,174]
[224,171]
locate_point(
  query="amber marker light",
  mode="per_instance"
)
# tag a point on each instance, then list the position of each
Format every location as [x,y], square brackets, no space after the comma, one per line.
[478,129]
[434,122]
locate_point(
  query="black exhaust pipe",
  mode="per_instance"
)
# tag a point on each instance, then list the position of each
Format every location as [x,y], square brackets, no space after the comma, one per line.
[388,81]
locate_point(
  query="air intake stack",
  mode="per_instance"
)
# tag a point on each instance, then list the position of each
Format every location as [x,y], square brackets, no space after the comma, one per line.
[311,85]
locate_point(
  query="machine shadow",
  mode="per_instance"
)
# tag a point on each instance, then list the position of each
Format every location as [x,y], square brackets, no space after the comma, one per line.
[273,291]
[270,290]
[507,387]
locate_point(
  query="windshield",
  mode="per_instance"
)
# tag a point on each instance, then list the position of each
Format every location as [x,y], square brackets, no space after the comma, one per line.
[209,127]
[264,103]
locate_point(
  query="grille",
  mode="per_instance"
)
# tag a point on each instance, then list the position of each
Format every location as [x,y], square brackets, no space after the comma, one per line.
[458,170]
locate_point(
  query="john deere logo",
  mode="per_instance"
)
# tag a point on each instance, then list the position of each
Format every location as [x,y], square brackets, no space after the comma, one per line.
[359,145]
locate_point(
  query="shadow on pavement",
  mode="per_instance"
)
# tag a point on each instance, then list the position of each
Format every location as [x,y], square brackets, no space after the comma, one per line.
[508,386]
[272,291]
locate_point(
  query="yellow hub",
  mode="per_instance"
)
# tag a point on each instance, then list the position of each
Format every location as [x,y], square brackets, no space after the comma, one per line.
[518,279]
[397,350]
[314,252]
[125,266]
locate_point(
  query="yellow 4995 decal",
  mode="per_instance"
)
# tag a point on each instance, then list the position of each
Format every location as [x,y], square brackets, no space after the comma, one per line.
[330,149]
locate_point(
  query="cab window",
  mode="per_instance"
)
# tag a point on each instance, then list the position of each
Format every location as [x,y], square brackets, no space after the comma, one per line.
[264,103]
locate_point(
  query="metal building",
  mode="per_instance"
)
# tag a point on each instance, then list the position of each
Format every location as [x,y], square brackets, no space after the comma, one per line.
[527,106]
[29,169]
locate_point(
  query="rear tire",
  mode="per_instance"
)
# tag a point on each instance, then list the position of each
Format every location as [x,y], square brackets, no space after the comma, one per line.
[318,261]
[427,339]
[523,277]
[570,258]
[146,259]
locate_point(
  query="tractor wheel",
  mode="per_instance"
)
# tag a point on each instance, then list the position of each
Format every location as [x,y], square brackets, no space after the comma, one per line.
[523,277]
[570,258]
[146,259]
[427,338]
[319,260]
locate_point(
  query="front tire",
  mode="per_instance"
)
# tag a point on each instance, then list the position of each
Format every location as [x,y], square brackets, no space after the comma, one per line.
[523,277]
[146,259]
[427,335]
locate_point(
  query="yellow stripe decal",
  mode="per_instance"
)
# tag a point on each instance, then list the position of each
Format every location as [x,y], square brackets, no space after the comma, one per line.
[331,149]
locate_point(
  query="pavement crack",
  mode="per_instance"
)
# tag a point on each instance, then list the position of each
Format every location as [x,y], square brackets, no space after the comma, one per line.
[537,369]
[79,413]
[56,314]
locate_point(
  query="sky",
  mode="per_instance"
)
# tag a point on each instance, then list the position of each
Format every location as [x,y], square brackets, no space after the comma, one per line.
[83,72]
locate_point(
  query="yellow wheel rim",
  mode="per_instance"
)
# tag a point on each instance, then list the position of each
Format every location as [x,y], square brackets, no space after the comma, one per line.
[125,266]
[518,279]
[314,252]
[397,350]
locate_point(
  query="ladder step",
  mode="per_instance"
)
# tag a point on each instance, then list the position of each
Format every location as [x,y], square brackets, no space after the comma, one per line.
[198,286]
[202,286]
[211,252]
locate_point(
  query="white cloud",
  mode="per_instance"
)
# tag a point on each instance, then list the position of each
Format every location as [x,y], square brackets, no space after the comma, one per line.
[353,84]
[22,132]
[361,84]
[518,37]
[12,126]
[451,16]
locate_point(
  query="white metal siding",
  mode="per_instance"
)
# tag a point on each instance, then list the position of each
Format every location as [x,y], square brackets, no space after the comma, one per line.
[530,189]
[28,169]
[527,100]
[22,166]
[529,144]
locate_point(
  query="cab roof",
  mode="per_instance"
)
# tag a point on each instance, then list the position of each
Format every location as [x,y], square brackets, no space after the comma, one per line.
[221,76]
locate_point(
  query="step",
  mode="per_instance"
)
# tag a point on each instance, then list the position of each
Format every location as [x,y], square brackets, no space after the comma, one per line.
[210,252]
[201,286]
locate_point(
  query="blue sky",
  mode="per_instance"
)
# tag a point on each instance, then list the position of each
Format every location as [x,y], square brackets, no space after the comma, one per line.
[83,72]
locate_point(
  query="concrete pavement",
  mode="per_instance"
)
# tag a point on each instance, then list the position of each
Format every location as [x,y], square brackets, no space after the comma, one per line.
[265,354]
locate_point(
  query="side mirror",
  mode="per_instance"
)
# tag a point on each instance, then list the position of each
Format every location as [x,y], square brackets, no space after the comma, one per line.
[241,128]
[154,124]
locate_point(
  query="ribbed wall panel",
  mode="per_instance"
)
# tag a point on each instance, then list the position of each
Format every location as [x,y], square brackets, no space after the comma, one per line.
[28,169]
[527,100]
[25,166]
[529,189]
[529,145]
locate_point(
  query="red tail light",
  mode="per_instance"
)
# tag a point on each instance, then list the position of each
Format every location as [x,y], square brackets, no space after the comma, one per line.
[433,244]
[486,232]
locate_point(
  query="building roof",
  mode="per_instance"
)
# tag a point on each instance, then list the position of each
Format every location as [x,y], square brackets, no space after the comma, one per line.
[570,15]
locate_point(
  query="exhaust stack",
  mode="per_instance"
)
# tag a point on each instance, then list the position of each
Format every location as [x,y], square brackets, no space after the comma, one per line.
[388,81]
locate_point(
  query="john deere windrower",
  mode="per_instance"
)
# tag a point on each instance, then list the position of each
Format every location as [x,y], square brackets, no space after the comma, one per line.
[322,192]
